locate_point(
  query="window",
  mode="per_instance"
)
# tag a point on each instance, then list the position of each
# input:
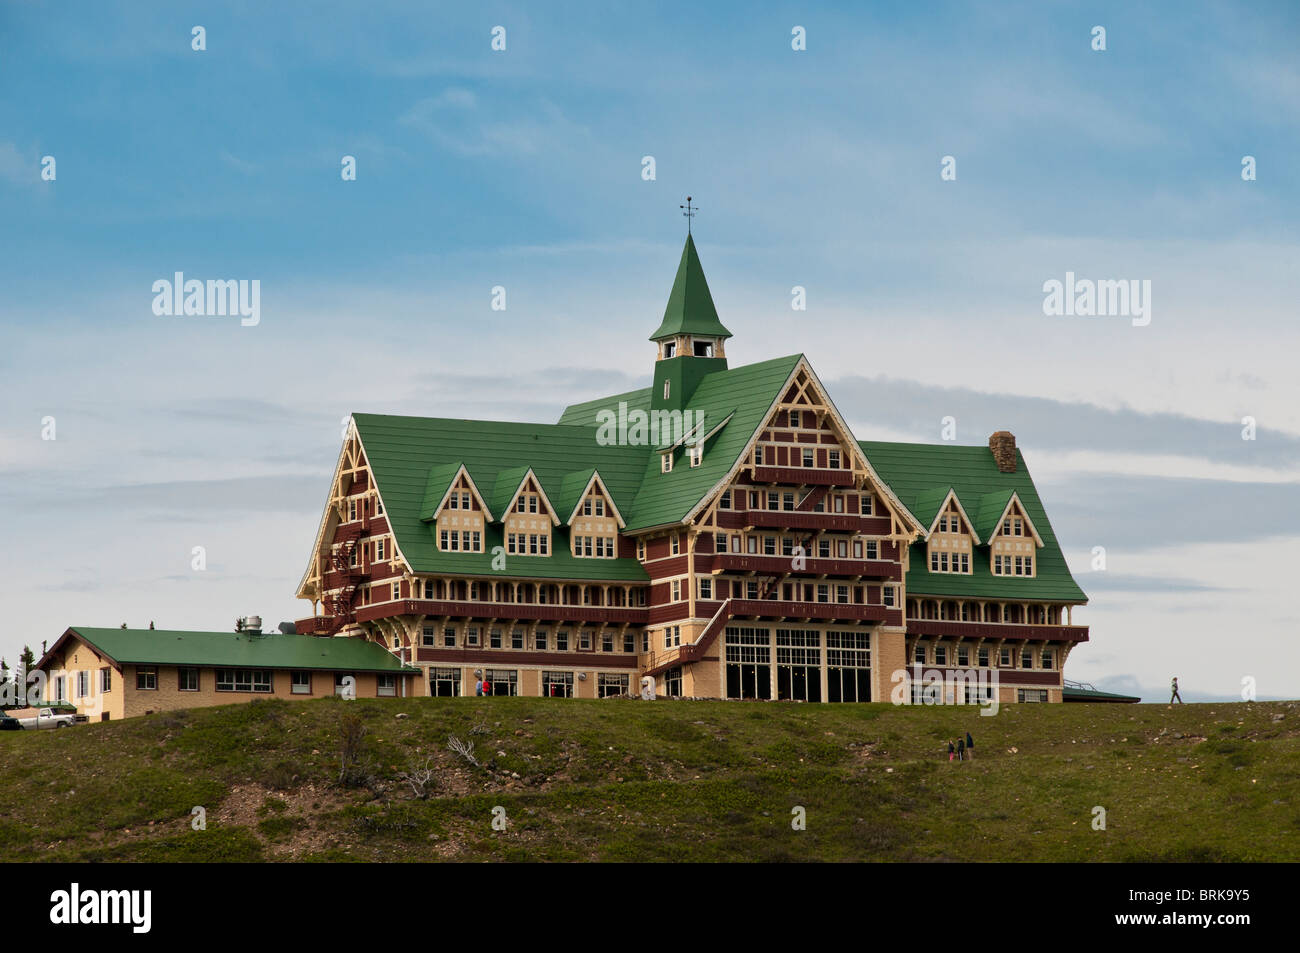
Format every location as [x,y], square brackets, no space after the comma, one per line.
[471,635]
[379,550]
[1027,658]
[677,590]
[1031,695]
[724,501]
[1004,658]
[963,656]
[243,680]
[516,638]
[146,679]
[807,457]
[187,679]
[397,591]
[501,681]
[449,636]
[427,636]
[640,549]
[835,465]
[539,640]
[300,683]
[584,640]
[494,639]
[982,657]
[1047,658]
[105,680]
[887,595]
[676,543]
[609,686]
[562,641]
[385,685]
[444,682]
[668,385]
[940,655]
[557,684]
[696,454]
[586,507]
[629,642]
[706,589]
[758,456]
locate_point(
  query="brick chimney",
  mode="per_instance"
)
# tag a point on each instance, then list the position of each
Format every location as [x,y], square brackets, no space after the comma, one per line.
[1003,445]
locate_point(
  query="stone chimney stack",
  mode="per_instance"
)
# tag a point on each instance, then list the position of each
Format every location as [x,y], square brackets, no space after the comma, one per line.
[1003,445]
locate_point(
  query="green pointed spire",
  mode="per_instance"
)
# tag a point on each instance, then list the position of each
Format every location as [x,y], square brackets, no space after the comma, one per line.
[690,306]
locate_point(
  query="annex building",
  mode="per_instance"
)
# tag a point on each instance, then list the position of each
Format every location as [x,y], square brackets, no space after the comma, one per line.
[110,674]
[720,531]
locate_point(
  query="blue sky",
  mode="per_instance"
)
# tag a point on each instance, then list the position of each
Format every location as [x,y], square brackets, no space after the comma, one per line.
[522,168]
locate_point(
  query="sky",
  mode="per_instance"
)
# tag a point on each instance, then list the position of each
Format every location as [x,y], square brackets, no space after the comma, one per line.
[525,168]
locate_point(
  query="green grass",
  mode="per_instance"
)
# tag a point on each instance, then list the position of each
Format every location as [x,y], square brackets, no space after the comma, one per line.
[626,780]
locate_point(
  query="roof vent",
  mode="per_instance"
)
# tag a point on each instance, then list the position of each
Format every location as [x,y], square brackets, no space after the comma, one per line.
[253,625]
[1003,445]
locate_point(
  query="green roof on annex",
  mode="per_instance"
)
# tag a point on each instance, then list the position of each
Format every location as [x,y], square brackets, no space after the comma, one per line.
[237,650]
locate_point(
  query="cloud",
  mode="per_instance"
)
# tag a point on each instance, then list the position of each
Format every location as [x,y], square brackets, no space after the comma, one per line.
[1042,423]
[16,167]
[238,164]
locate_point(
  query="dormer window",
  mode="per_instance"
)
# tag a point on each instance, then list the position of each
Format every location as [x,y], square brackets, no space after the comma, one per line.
[666,463]
[696,453]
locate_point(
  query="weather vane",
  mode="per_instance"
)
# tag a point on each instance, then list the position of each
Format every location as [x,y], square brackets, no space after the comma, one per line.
[689,213]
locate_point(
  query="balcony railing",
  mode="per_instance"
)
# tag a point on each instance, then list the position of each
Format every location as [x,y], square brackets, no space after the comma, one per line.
[803,476]
[851,612]
[524,611]
[811,566]
[948,628]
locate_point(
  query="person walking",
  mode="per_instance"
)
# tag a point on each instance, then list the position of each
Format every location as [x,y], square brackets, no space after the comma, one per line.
[961,748]
[970,747]
[952,750]
[1175,697]
[487,686]
[478,687]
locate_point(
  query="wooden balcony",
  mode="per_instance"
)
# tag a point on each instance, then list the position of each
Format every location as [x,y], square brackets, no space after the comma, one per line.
[803,476]
[812,566]
[521,611]
[835,611]
[997,630]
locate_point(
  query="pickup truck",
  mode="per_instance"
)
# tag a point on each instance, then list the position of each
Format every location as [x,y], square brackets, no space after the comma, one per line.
[48,718]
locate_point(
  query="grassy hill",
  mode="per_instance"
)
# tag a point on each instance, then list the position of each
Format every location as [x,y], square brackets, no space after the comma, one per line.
[664,781]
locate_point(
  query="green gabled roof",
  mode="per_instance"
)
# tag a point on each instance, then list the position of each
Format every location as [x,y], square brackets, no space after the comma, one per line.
[690,306]
[503,490]
[239,650]
[990,508]
[584,414]
[915,472]
[570,491]
[925,506]
[747,393]
[435,489]
[402,451]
